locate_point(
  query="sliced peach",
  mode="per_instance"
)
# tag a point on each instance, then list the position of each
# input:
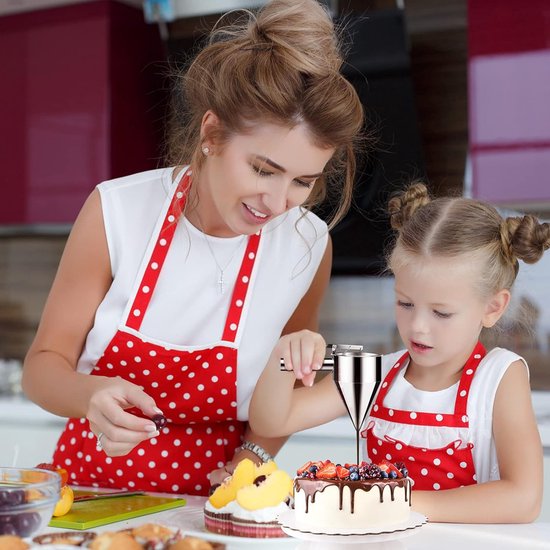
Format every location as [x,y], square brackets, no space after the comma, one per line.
[266,468]
[275,489]
[65,501]
[244,474]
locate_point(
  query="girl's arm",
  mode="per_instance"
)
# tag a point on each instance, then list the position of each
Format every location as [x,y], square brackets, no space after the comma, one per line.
[278,408]
[269,435]
[517,496]
[49,373]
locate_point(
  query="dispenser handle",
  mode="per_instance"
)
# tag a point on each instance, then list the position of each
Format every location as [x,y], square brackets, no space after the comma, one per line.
[332,349]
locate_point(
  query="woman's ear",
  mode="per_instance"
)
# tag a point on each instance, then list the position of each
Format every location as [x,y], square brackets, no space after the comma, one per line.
[496,307]
[210,126]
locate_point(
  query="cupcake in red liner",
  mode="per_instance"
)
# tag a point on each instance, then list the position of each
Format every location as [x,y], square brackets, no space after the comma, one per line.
[249,502]
[219,520]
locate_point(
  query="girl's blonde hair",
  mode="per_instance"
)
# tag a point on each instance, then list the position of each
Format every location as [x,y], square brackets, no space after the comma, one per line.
[450,227]
[279,66]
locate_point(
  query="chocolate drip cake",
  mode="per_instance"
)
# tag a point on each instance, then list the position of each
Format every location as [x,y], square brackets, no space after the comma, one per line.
[330,498]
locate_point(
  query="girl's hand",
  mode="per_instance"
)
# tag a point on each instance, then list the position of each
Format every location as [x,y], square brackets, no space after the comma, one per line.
[121,431]
[303,352]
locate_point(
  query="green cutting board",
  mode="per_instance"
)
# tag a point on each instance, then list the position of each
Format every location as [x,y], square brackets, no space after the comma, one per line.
[94,513]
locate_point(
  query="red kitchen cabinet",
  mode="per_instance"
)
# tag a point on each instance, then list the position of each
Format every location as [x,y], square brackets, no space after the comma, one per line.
[81,101]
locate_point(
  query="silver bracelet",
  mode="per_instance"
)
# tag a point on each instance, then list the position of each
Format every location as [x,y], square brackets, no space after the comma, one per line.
[260,452]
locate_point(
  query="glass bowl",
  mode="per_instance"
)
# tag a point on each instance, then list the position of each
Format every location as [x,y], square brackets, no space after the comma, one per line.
[27,500]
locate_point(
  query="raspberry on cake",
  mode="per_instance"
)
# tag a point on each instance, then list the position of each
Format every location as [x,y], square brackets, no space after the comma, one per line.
[248,503]
[330,498]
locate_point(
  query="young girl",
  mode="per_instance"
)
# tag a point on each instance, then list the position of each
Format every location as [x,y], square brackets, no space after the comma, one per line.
[459,416]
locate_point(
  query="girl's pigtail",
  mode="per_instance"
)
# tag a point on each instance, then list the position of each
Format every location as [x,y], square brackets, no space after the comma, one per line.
[525,238]
[403,206]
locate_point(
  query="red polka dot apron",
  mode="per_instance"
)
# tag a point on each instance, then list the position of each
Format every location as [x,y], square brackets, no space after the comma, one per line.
[195,388]
[432,469]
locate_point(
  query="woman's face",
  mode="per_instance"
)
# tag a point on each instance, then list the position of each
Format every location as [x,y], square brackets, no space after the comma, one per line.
[257,176]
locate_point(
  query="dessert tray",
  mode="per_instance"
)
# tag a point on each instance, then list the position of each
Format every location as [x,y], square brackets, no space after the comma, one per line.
[391,532]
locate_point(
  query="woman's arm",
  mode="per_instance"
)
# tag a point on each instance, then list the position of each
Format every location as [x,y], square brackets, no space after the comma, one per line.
[49,373]
[278,408]
[517,496]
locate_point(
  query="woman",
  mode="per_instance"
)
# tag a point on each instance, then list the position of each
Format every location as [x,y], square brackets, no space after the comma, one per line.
[175,284]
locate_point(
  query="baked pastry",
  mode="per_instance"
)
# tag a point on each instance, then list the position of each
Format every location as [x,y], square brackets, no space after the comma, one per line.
[153,536]
[334,499]
[66,537]
[193,543]
[248,503]
[115,541]
[12,542]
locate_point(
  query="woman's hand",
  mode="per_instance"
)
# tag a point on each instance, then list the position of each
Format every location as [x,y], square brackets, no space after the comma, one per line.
[217,476]
[303,352]
[121,430]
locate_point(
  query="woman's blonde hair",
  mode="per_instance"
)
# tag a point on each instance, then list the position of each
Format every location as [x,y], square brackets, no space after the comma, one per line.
[282,66]
[457,226]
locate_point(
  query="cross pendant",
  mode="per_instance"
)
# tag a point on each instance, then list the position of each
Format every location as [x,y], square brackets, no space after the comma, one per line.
[221,282]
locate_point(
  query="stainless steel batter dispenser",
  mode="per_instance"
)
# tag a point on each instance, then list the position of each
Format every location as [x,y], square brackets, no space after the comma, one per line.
[357,375]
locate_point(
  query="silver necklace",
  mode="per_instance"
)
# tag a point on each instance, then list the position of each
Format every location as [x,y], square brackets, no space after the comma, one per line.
[221,280]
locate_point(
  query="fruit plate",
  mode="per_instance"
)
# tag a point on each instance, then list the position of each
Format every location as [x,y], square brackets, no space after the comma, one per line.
[353,536]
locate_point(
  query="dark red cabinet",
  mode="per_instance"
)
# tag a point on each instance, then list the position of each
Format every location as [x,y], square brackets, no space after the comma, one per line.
[81,101]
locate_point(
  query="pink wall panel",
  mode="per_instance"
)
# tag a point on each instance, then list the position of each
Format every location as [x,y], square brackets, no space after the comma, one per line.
[509,106]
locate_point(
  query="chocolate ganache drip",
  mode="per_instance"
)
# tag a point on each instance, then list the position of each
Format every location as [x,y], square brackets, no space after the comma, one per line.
[313,486]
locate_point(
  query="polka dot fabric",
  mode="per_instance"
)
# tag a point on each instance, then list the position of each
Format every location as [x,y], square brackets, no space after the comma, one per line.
[196,390]
[432,469]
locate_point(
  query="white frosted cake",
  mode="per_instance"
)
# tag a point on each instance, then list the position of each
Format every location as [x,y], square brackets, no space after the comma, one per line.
[332,499]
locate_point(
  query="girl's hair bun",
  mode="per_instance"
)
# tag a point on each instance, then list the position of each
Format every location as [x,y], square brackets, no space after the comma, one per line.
[525,238]
[402,206]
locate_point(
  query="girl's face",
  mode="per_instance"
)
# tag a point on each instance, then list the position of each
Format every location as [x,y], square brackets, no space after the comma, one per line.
[439,314]
[257,176]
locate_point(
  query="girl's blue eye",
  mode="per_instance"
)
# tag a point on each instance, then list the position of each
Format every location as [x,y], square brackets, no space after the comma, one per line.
[442,315]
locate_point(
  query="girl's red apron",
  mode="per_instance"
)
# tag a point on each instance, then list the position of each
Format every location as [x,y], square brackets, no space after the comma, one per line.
[195,388]
[432,469]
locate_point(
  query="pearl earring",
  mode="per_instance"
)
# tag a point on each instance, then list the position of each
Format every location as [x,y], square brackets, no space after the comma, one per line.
[205,151]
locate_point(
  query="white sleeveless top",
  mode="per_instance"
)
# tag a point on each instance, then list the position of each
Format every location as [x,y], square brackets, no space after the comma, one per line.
[187,307]
[404,396]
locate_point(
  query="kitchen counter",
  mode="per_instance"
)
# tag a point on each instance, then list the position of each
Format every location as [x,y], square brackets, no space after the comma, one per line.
[29,434]
[427,537]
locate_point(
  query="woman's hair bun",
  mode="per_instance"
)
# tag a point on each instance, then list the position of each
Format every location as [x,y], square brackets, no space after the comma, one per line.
[526,238]
[402,206]
[301,31]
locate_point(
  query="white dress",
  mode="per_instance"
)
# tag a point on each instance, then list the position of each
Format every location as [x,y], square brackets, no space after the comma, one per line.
[187,307]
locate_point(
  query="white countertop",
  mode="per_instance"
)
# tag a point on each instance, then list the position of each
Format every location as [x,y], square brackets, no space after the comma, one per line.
[430,536]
